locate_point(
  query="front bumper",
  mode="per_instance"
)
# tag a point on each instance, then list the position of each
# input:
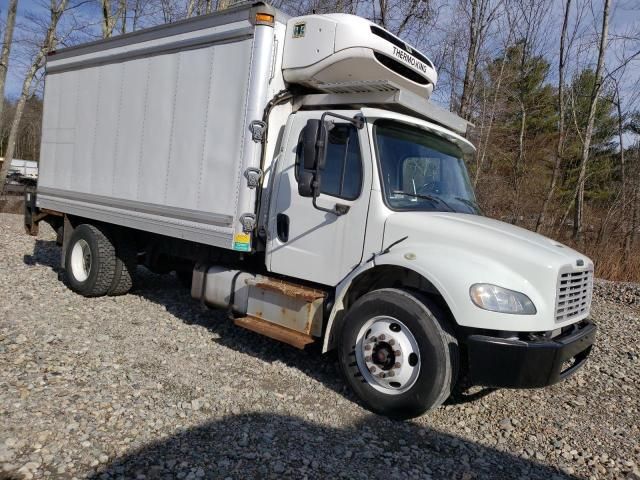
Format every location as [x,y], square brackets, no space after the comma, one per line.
[508,363]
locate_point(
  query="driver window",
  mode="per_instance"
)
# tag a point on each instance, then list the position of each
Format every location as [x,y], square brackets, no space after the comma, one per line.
[342,174]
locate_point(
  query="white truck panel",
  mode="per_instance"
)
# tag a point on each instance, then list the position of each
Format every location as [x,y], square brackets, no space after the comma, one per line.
[154,134]
[320,248]
[123,49]
[333,51]
[141,132]
[314,43]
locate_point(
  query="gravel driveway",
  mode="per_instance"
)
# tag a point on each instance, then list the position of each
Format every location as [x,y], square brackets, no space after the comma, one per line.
[153,385]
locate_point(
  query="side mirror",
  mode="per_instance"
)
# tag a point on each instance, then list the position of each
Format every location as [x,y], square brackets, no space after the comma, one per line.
[321,145]
[314,140]
[309,140]
[305,183]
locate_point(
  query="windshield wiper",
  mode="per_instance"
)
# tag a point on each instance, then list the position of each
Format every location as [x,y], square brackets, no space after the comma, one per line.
[468,202]
[425,197]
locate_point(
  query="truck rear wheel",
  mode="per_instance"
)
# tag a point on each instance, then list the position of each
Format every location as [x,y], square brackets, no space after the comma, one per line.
[126,263]
[90,260]
[398,353]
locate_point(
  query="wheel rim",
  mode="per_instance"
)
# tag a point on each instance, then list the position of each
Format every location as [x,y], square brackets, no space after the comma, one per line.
[81,260]
[387,355]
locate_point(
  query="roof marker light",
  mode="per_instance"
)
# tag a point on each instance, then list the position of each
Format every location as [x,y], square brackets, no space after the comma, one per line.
[264,19]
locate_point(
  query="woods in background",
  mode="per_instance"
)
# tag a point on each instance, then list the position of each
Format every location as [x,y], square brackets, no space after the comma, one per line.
[550,86]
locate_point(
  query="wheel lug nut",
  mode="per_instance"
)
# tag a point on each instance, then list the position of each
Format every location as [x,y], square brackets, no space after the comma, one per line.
[397,353]
[373,339]
[367,358]
[367,347]
[390,374]
[396,365]
[382,375]
[392,342]
[372,369]
[381,337]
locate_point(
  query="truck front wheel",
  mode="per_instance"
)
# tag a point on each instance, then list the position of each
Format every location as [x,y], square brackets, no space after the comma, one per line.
[90,260]
[398,353]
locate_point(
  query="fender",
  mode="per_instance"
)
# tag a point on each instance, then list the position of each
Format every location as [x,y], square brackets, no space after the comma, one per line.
[441,265]
[396,257]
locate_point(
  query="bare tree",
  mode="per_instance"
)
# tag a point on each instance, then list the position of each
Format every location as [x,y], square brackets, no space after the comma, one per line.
[480,19]
[487,127]
[595,94]
[136,14]
[623,169]
[635,209]
[532,13]
[6,49]
[110,16]
[56,9]
[481,155]
[562,60]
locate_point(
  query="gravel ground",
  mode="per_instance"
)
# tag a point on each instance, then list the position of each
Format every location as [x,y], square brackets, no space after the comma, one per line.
[152,385]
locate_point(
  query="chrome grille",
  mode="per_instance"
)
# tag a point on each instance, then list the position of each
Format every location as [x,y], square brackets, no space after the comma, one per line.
[574,294]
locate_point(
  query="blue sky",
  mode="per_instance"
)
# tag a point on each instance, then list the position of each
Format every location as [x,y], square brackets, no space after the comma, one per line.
[27,9]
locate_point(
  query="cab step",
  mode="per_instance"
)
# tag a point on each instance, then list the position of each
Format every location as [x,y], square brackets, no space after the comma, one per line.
[272,330]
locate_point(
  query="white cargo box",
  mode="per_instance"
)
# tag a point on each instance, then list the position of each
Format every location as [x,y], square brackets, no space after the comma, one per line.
[339,53]
[151,130]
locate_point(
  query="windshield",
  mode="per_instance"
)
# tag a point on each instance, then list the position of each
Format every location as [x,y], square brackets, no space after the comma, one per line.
[422,171]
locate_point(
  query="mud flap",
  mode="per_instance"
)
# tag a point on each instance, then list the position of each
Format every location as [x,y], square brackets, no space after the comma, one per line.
[31,212]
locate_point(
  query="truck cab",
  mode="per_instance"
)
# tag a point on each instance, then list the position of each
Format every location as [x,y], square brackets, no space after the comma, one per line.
[390,217]
[338,206]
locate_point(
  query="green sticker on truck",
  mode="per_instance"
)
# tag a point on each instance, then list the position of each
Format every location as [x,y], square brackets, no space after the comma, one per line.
[298,30]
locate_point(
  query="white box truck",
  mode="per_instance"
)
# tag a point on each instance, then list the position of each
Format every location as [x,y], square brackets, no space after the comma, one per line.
[294,172]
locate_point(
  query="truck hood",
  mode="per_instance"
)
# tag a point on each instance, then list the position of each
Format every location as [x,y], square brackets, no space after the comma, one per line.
[453,251]
[480,235]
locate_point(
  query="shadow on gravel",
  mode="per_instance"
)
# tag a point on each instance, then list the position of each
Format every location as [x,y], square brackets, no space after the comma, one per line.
[259,445]
[460,398]
[45,252]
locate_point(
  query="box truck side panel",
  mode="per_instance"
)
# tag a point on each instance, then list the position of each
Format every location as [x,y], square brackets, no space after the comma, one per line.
[104,131]
[131,121]
[155,135]
[82,131]
[156,130]
[220,127]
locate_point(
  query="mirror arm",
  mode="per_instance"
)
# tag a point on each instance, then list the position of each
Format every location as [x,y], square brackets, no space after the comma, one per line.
[339,210]
[357,121]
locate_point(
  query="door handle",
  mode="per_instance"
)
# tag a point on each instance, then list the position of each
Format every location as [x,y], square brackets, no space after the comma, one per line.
[282,227]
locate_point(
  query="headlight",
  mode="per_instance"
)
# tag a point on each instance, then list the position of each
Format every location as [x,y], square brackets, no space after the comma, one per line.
[498,299]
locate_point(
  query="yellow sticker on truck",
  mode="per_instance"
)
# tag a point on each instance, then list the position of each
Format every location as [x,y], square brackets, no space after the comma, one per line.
[242,242]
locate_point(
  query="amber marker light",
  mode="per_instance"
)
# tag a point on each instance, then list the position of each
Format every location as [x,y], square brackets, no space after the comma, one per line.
[264,18]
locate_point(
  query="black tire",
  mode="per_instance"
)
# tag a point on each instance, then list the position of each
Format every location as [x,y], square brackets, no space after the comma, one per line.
[438,352]
[102,266]
[126,264]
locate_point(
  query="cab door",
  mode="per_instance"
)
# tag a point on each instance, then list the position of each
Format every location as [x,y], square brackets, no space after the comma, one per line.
[312,244]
